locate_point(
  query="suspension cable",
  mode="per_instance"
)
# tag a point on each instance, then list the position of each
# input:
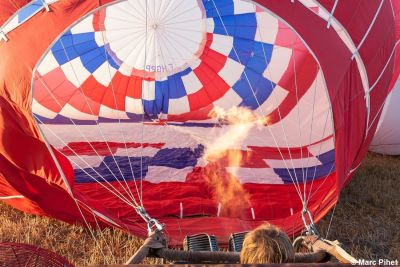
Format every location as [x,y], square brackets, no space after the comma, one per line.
[259,105]
[304,180]
[96,122]
[79,131]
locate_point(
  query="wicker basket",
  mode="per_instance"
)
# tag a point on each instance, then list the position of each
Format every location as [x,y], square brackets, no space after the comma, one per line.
[15,254]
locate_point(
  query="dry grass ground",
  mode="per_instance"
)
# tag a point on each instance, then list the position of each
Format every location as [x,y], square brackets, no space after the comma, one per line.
[366,221]
[367,216]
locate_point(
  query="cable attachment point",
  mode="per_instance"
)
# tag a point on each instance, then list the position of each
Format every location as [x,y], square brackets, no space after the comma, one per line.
[45,5]
[152,224]
[3,35]
[310,228]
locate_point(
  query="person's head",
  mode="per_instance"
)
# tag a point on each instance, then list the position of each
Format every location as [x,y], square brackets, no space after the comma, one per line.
[266,244]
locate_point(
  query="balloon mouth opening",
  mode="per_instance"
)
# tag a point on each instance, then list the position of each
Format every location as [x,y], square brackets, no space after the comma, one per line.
[245,130]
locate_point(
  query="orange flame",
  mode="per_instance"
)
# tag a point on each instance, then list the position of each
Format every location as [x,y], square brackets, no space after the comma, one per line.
[226,151]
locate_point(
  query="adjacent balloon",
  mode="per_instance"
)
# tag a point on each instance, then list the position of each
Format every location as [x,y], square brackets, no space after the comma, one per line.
[387,136]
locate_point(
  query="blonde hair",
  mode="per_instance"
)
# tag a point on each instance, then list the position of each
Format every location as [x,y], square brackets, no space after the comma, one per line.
[266,244]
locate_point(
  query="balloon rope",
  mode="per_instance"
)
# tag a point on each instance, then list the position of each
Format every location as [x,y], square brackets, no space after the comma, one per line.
[89,227]
[331,14]
[367,93]
[394,52]
[151,222]
[105,241]
[295,183]
[97,123]
[144,109]
[116,192]
[79,131]
[368,30]
[304,199]
[120,125]
[304,177]
[330,221]
[305,180]
[377,115]
[310,192]
[173,43]
[71,193]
